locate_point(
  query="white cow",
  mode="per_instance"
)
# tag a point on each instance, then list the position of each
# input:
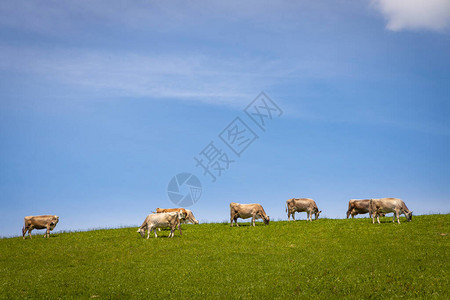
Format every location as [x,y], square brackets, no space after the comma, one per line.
[388,205]
[161,220]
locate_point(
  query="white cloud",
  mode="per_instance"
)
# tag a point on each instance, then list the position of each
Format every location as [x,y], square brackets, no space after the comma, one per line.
[415,14]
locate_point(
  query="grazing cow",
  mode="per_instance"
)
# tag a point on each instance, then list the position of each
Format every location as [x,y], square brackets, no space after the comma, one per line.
[388,205]
[302,205]
[245,211]
[161,220]
[39,222]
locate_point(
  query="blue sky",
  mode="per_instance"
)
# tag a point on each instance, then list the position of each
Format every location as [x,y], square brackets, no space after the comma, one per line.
[103,102]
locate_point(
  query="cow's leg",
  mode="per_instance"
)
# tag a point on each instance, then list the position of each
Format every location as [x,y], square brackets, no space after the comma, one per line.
[24,232]
[235,221]
[378,218]
[179,228]
[293,215]
[232,219]
[393,217]
[289,214]
[398,216]
[29,232]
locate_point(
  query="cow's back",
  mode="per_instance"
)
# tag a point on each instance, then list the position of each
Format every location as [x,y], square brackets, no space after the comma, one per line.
[304,204]
[387,204]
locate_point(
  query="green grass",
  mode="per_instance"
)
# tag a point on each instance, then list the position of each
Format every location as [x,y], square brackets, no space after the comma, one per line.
[325,258]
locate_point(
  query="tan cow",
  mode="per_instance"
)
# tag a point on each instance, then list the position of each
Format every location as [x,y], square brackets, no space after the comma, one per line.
[359,207]
[39,222]
[245,211]
[161,220]
[167,210]
[388,205]
[187,215]
[302,205]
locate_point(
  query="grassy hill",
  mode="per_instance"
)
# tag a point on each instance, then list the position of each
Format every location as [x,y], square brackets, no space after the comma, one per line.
[325,258]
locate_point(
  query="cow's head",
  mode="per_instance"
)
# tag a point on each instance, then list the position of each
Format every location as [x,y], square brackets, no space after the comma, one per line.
[54,221]
[192,220]
[190,217]
[266,220]
[317,213]
[409,216]
[348,213]
[141,231]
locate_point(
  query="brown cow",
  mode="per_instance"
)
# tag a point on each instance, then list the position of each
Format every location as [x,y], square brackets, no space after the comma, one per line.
[388,205]
[39,222]
[302,205]
[244,211]
[359,207]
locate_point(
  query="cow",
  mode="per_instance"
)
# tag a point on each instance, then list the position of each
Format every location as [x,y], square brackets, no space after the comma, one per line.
[161,220]
[39,222]
[302,205]
[245,211]
[388,205]
[187,215]
[359,207]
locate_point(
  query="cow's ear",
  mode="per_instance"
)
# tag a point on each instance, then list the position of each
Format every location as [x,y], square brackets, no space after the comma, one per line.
[320,212]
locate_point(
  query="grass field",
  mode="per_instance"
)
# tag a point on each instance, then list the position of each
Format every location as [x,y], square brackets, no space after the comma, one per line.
[325,258]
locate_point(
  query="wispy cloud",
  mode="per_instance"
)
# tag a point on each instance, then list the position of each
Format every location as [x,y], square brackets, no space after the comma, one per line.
[183,76]
[415,14]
